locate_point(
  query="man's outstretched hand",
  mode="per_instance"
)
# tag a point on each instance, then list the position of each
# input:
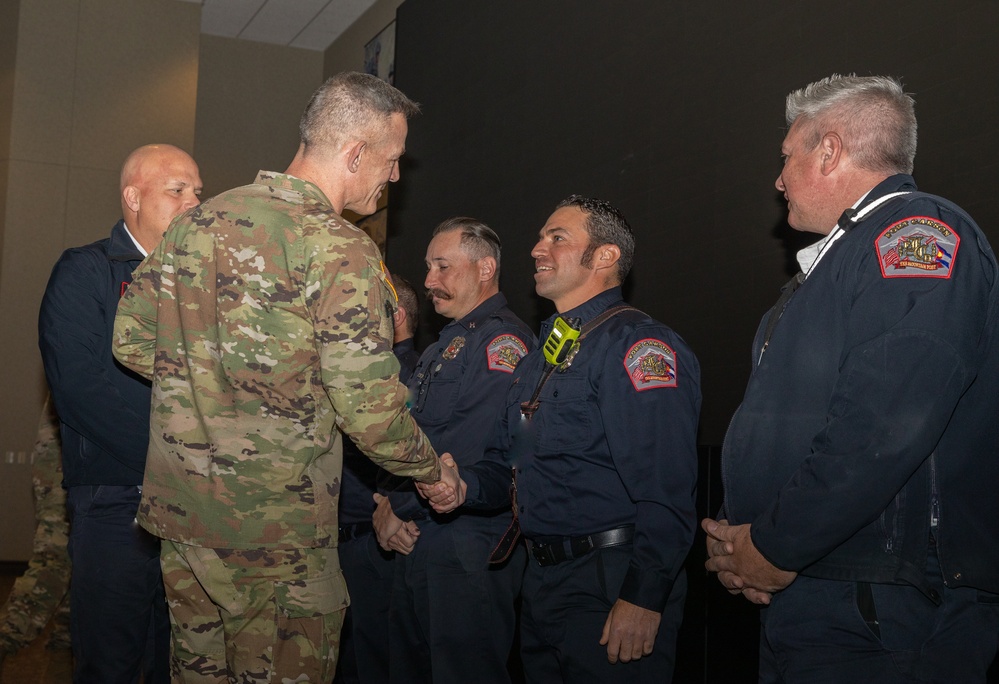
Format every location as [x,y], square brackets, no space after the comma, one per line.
[448,493]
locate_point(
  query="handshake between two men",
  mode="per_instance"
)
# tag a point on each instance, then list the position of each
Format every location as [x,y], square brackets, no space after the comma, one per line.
[445,495]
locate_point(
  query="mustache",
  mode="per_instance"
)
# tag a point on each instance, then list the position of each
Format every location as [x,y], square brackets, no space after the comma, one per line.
[439,294]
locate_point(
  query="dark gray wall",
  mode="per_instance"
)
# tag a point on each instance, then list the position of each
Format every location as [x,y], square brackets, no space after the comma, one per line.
[674,112]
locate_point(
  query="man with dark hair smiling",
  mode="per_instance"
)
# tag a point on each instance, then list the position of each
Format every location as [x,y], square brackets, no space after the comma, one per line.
[602,434]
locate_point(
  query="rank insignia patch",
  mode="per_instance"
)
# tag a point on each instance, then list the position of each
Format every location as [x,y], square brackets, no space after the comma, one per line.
[917,247]
[505,352]
[650,364]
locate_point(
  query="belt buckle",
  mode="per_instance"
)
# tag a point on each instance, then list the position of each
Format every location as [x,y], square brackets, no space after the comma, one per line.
[543,554]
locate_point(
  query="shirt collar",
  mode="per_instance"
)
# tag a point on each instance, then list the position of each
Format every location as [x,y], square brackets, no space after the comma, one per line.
[135,242]
[480,313]
[284,181]
[810,256]
[404,347]
[121,246]
[588,310]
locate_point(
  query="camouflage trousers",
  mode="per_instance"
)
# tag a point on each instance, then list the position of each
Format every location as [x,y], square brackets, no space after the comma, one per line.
[41,590]
[266,615]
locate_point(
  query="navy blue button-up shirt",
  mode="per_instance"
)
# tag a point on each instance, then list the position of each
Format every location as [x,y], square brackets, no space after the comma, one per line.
[613,442]
[459,387]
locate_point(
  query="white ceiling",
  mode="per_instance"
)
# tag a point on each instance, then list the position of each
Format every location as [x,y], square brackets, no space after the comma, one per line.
[309,24]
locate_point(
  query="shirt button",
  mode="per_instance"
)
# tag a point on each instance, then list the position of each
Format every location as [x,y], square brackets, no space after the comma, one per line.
[957,575]
[555,393]
[521,509]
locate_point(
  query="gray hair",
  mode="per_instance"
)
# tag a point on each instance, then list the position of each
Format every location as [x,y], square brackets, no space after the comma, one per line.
[605,225]
[349,104]
[477,239]
[876,116]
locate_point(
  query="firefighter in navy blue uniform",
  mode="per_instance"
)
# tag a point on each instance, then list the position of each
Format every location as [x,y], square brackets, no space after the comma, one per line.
[367,568]
[118,619]
[604,446]
[859,469]
[452,612]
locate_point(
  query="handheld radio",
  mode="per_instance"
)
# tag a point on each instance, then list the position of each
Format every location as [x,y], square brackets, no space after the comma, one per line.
[561,340]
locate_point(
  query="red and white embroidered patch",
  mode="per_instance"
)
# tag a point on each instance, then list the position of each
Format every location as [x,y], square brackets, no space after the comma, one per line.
[651,363]
[917,247]
[505,352]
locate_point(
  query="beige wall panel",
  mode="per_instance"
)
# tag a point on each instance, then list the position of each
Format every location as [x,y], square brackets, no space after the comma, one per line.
[35,214]
[93,80]
[4,177]
[250,98]
[16,530]
[93,205]
[136,78]
[8,57]
[347,52]
[43,86]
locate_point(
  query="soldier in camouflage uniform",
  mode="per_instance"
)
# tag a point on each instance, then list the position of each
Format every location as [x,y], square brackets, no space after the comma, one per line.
[41,590]
[264,320]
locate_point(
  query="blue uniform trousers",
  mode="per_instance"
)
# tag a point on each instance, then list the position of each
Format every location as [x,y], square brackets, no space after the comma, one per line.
[826,631]
[364,641]
[452,618]
[562,618]
[119,624]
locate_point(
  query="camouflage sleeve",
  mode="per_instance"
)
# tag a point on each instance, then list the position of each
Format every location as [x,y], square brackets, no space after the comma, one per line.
[46,467]
[352,308]
[134,339]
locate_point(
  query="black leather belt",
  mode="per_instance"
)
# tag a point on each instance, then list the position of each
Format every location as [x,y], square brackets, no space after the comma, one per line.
[554,550]
[351,532]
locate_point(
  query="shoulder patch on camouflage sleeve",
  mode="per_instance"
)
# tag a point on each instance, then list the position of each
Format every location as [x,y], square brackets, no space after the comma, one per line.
[505,352]
[651,363]
[917,247]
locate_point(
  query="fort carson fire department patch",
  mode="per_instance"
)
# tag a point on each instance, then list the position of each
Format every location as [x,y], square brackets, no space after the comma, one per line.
[505,352]
[917,247]
[650,364]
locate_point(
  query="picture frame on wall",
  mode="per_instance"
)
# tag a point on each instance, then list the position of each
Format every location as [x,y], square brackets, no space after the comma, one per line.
[379,55]
[379,60]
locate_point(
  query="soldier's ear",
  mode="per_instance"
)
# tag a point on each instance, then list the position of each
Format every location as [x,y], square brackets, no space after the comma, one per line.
[354,156]
[130,196]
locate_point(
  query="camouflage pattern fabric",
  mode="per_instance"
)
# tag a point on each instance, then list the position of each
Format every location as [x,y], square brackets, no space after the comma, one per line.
[264,321]
[39,592]
[287,607]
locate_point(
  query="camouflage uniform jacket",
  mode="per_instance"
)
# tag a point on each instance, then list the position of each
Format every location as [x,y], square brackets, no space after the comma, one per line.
[264,321]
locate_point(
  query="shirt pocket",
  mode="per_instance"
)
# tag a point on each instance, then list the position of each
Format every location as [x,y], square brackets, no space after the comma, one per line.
[437,394]
[566,410]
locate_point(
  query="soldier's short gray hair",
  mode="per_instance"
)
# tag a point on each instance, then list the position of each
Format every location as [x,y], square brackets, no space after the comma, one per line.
[875,115]
[477,239]
[349,104]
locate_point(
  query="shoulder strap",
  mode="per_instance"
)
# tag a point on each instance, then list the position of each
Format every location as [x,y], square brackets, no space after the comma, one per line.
[603,318]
